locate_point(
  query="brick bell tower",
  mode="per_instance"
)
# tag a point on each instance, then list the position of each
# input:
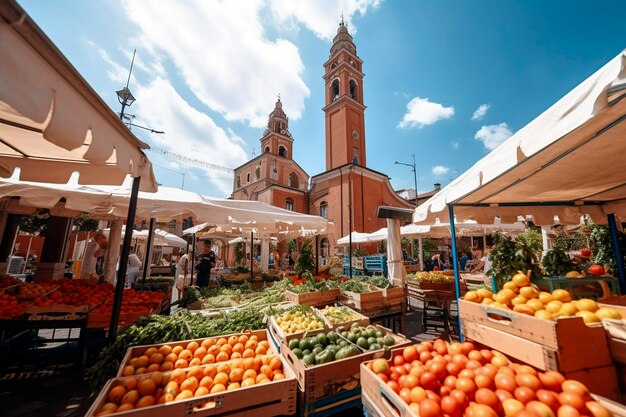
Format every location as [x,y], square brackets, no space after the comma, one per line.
[344,110]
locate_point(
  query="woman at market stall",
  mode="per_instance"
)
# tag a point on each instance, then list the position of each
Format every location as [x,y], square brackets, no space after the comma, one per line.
[94,255]
[182,269]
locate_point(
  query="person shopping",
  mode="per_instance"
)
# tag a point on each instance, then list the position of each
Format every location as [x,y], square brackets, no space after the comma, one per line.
[182,270]
[205,263]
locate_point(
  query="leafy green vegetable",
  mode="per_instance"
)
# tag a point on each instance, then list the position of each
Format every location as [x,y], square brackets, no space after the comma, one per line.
[354,286]
[556,263]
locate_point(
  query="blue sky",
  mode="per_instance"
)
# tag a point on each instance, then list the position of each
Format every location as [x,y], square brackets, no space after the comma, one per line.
[446,80]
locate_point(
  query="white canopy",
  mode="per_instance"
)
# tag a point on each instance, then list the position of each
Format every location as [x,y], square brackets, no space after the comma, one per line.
[567,162]
[357,237]
[160,237]
[52,123]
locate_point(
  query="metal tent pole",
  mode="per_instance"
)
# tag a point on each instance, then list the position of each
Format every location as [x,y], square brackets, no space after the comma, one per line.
[121,273]
[148,257]
[193,257]
[618,252]
[457,280]
[251,255]
[317,254]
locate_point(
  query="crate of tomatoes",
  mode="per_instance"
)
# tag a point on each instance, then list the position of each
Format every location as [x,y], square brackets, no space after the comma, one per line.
[436,379]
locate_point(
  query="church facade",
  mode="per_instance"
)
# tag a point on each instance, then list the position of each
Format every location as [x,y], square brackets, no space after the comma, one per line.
[347,193]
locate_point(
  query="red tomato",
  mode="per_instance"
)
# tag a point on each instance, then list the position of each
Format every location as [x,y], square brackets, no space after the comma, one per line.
[405,394]
[450,381]
[383,377]
[567,411]
[407,367]
[576,387]
[571,398]
[398,360]
[551,381]
[528,380]
[481,410]
[484,381]
[408,381]
[443,391]
[400,370]
[551,399]
[467,386]
[430,408]
[460,398]
[488,397]
[467,373]
[503,394]
[394,386]
[450,407]
[428,380]
[460,359]
[505,382]
[524,395]
[468,347]
[453,368]
[425,356]
[417,370]
[410,353]
[418,394]
[487,354]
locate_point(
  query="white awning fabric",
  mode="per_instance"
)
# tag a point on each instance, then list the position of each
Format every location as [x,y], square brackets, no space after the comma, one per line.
[160,237]
[52,123]
[566,163]
[357,237]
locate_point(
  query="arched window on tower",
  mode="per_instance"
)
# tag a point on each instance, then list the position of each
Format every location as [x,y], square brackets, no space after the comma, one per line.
[293,180]
[324,209]
[267,149]
[353,89]
[334,90]
[282,151]
[289,204]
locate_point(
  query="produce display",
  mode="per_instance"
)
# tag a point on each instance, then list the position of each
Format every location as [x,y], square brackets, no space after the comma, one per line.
[298,319]
[244,295]
[181,384]
[322,348]
[431,277]
[10,307]
[207,351]
[313,285]
[355,286]
[524,298]
[437,379]
[556,263]
[8,281]
[28,291]
[164,329]
[376,281]
[366,337]
[77,292]
[337,315]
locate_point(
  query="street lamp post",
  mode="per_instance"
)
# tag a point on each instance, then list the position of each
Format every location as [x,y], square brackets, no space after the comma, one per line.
[124,96]
[414,175]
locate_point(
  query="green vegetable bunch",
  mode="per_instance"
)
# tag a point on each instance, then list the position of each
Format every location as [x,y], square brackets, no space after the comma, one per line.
[354,286]
[556,263]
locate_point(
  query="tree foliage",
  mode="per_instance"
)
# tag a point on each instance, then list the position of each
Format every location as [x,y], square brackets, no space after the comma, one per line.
[531,238]
[306,261]
[84,223]
[33,224]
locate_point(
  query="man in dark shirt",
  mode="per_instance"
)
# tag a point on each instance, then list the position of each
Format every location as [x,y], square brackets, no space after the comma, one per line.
[205,263]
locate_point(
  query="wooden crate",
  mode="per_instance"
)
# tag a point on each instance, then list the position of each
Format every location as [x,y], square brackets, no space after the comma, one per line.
[384,309]
[364,300]
[321,381]
[361,321]
[136,351]
[264,400]
[315,298]
[564,334]
[279,336]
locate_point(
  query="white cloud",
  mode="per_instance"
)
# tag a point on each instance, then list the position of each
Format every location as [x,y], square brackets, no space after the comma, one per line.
[421,112]
[480,112]
[221,52]
[188,131]
[493,135]
[455,145]
[116,72]
[439,170]
[320,16]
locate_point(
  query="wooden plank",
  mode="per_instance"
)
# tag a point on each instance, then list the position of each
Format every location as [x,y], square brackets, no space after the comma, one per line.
[554,334]
[601,381]
[618,350]
[524,350]
[315,298]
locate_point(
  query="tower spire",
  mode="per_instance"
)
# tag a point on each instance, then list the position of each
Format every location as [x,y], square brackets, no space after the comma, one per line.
[342,22]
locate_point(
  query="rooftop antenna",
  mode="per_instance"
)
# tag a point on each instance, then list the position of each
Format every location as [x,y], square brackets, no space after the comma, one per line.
[253,152]
[132,62]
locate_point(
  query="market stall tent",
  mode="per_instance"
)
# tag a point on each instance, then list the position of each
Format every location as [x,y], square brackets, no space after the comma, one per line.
[566,163]
[53,124]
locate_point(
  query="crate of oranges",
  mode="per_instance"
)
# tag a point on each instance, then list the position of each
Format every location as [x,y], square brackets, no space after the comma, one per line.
[180,355]
[260,386]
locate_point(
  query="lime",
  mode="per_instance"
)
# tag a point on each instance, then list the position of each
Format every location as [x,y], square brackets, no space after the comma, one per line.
[388,341]
[294,343]
[298,353]
[362,343]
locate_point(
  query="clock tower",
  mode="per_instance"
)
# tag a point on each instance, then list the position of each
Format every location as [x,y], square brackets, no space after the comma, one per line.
[344,110]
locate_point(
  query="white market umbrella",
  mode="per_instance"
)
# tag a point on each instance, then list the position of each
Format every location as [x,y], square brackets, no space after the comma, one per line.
[357,237]
[160,237]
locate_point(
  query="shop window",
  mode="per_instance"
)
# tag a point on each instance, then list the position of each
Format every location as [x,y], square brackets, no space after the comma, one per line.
[324,209]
